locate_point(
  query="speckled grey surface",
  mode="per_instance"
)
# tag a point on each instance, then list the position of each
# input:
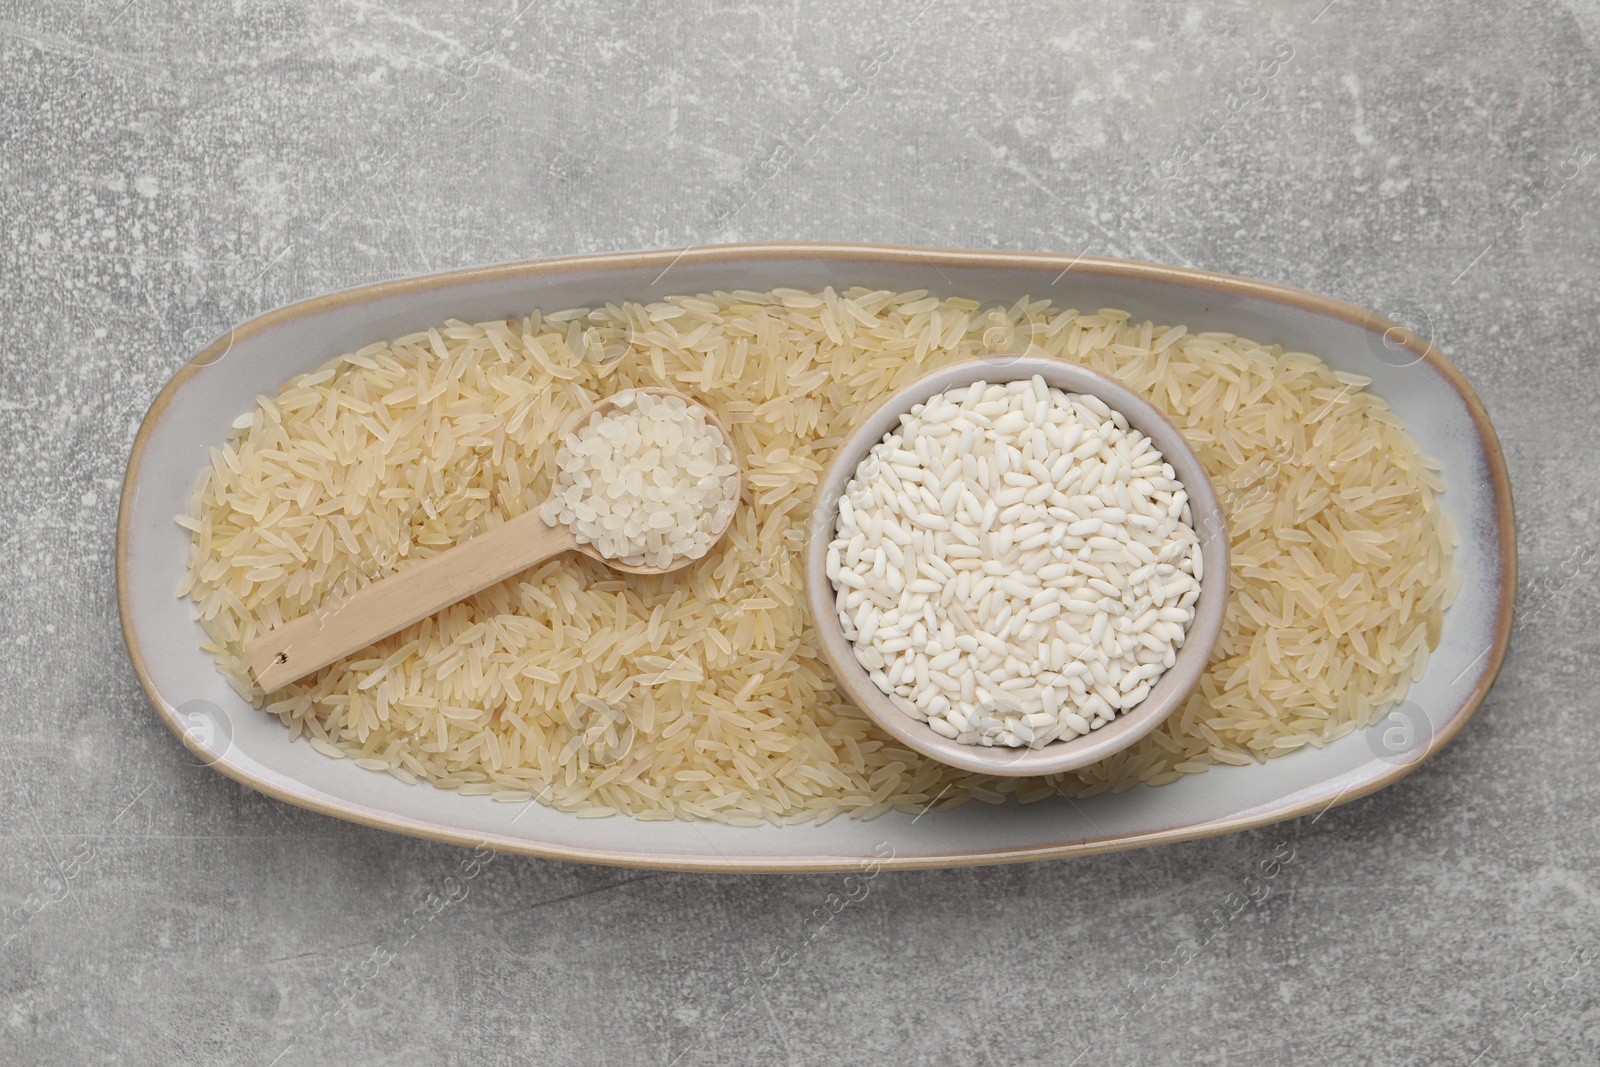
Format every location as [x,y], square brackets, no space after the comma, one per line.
[166,171]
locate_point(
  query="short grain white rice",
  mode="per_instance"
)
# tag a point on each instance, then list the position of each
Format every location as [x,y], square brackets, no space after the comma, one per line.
[646,482]
[1006,602]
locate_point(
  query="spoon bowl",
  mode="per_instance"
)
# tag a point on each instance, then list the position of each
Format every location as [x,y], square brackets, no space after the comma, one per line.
[608,404]
[333,631]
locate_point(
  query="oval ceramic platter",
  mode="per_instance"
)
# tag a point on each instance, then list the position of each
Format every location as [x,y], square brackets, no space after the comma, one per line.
[194,412]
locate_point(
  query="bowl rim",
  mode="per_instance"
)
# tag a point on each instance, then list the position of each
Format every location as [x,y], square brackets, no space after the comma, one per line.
[1174,685]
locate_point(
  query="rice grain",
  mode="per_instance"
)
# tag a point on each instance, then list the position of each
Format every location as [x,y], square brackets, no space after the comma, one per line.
[712,675]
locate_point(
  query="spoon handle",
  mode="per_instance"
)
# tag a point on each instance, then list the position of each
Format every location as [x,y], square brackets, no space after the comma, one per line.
[373,612]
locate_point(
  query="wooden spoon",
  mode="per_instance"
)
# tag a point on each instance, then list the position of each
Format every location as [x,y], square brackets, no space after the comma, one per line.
[372,613]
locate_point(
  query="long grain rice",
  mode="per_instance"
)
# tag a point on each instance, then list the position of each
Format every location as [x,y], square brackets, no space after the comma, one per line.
[713,701]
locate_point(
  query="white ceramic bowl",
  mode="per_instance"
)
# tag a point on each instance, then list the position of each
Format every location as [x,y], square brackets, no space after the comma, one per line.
[1172,687]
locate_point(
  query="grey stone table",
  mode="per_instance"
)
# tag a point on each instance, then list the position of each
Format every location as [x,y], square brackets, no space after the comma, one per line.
[168,169]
